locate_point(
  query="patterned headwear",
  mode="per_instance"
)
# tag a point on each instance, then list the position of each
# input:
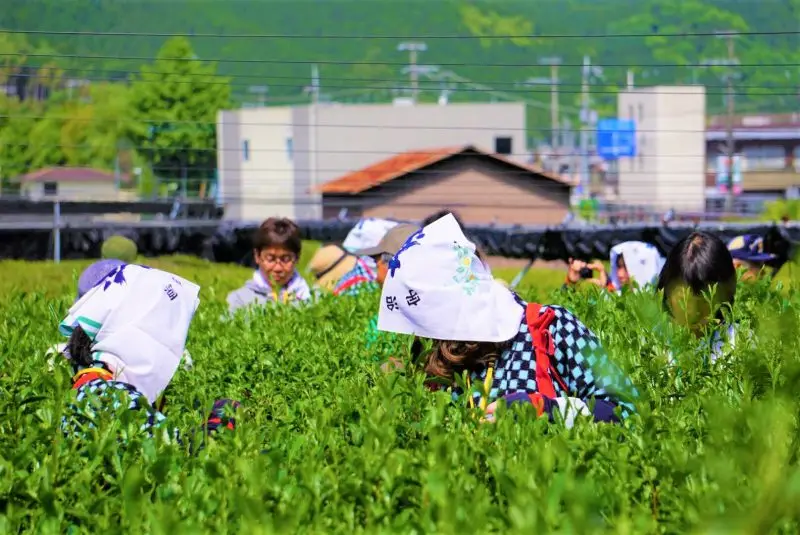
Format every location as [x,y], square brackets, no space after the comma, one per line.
[95,273]
[642,260]
[367,233]
[137,319]
[437,288]
[749,248]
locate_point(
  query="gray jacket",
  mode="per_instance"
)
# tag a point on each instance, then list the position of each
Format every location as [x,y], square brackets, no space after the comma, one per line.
[249,294]
[253,294]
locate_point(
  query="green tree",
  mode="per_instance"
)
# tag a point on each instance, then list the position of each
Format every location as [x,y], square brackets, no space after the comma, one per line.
[175,101]
[490,25]
[95,131]
[29,142]
[663,19]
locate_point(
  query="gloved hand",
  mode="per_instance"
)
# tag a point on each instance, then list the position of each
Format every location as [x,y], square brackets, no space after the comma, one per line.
[222,415]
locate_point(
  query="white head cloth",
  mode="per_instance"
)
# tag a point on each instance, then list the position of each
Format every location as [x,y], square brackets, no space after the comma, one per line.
[367,233]
[138,318]
[437,288]
[642,260]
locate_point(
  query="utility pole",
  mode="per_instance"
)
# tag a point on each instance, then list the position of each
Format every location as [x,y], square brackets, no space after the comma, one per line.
[313,137]
[413,48]
[588,119]
[731,147]
[554,63]
[730,62]
[584,144]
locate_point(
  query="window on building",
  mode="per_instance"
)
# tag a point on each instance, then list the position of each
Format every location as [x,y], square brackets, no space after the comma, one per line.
[51,188]
[711,159]
[764,157]
[796,155]
[502,145]
[290,148]
[246,150]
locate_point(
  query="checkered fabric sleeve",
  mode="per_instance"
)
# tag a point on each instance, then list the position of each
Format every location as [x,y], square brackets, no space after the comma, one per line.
[583,364]
[579,359]
[98,394]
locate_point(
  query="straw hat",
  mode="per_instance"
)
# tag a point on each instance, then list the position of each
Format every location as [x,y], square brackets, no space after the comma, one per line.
[329,264]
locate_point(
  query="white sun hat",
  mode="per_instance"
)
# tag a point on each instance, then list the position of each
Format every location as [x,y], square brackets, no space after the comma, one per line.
[437,288]
[367,233]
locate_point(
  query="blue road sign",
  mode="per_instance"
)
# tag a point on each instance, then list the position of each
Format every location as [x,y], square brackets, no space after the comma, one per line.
[616,138]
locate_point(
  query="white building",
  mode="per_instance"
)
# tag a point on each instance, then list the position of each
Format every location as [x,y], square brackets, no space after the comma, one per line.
[270,158]
[669,170]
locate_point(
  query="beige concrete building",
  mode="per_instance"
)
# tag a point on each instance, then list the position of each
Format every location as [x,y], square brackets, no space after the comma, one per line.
[272,159]
[669,170]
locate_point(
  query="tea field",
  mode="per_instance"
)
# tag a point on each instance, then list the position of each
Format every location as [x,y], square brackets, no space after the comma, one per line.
[327,443]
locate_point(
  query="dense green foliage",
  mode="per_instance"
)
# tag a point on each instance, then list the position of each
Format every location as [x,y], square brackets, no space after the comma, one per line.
[329,444]
[444,17]
[163,122]
[107,125]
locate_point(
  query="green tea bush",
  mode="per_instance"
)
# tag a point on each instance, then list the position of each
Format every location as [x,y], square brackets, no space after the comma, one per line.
[329,444]
[120,248]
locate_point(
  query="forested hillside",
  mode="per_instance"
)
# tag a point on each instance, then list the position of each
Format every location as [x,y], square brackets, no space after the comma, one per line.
[160,115]
[770,72]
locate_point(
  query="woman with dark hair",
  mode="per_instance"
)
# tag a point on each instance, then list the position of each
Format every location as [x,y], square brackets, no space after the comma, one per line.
[698,282]
[543,355]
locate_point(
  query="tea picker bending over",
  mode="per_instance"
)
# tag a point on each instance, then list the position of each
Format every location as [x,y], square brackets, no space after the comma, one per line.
[89,278]
[539,354]
[363,241]
[126,339]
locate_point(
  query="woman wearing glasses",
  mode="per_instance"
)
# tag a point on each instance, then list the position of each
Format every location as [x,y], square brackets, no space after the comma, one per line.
[276,249]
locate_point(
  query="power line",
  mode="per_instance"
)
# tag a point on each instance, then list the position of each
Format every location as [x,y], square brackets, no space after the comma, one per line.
[767,92]
[304,79]
[150,59]
[498,128]
[362,202]
[393,37]
[285,172]
[386,154]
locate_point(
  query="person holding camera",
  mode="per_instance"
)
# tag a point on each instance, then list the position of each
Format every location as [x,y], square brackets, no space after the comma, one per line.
[579,270]
[633,263]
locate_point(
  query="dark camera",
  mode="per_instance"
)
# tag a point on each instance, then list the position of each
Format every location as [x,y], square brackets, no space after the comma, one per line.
[585,273]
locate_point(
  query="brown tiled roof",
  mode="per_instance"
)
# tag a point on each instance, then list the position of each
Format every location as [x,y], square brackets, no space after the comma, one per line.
[408,162]
[70,174]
